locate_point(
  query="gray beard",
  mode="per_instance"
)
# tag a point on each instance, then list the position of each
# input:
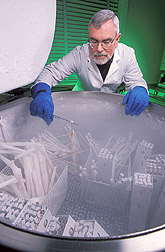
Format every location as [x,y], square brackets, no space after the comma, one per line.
[101,61]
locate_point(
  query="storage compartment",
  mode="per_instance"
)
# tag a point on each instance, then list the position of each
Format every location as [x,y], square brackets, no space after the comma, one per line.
[109,169]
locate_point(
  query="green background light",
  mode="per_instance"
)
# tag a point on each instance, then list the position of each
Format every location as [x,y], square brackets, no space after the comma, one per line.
[144,32]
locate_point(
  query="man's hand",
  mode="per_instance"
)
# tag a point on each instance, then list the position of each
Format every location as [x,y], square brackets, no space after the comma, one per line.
[42,104]
[137,100]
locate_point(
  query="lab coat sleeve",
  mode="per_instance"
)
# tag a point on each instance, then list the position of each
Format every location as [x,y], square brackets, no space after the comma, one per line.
[133,76]
[55,72]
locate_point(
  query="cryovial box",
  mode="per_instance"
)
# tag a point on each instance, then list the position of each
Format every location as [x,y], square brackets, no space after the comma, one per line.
[158,215]
[143,148]
[11,208]
[33,217]
[83,228]
[140,201]
[56,225]
[153,165]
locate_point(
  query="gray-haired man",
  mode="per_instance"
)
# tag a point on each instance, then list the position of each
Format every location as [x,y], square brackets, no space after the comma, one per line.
[101,65]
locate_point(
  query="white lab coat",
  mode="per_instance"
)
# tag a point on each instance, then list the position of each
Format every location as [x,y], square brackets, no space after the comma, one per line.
[124,68]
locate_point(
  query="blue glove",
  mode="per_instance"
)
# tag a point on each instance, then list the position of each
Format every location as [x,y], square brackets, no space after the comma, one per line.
[42,104]
[137,100]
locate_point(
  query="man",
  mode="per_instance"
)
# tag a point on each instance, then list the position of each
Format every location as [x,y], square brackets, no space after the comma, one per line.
[101,65]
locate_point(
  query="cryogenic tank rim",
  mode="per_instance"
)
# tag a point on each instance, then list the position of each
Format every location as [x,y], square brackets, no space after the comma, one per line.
[111,97]
[126,243]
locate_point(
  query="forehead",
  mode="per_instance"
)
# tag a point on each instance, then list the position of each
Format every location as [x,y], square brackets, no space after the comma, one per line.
[107,30]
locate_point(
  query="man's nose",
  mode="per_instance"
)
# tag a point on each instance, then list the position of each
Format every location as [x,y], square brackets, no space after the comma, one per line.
[100,48]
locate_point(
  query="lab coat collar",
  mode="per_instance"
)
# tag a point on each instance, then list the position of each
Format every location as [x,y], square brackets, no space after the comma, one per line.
[93,67]
[114,65]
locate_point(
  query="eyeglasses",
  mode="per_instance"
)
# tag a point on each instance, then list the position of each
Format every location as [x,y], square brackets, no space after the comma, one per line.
[106,44]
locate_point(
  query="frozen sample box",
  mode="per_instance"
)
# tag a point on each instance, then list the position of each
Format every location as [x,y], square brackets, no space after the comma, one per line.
[83,228]
[140,201]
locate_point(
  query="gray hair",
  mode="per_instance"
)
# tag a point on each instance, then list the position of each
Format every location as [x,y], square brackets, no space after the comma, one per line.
[100,17]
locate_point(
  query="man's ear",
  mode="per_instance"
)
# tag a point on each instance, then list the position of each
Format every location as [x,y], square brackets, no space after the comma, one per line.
[117,39]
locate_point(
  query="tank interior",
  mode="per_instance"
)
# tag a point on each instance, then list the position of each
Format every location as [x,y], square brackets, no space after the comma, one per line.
[99,174]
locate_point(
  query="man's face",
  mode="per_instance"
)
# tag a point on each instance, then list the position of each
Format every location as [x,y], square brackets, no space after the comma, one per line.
[104,34]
